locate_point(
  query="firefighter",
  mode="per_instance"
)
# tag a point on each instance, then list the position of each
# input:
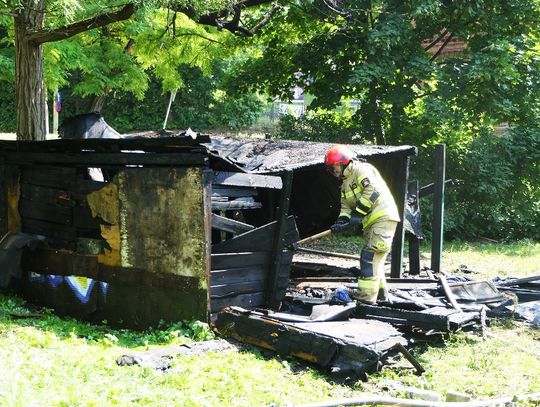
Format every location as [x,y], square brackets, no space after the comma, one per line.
[366,202]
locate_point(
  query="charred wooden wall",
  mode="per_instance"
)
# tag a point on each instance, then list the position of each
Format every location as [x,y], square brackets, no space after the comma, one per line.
[133,250]
[240,273]
[250,268]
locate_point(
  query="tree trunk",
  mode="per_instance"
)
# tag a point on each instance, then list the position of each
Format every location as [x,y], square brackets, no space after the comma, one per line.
[97,103]
[30,88]
[371,117]
[396,125]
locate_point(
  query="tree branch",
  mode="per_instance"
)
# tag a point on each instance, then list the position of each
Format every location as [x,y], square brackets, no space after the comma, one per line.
[266,19]
[8,14]
[222,19]
[43,36]
[198,35]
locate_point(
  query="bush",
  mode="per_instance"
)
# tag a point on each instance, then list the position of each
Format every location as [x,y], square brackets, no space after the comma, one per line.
[8,115]
[199,104]
[321,126]
[498,194]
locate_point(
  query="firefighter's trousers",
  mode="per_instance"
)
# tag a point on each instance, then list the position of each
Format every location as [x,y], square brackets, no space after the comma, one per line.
[377,244]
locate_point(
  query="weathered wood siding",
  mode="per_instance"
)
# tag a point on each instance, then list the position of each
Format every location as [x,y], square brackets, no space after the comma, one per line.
[132,251]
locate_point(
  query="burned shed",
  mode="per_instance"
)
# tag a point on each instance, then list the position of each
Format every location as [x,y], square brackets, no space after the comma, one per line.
[314,199]
[179,227]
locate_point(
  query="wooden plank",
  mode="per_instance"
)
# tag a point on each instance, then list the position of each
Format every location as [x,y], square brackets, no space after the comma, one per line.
[400,196]
[438,208]
[70,264]
[442,321]
[414,242]
[233,192]
[449,294]
[518,281]
[246,180]
[241,259]
[127,143]
[232,290]
[245,259]
[64,178]
[46,212]
[48,176]
[259,239]
[248,301]
[235,205]
[230,225]
[92,159]
[224,290]
[46,195]
[278,243]
[57,263]
[49,229]
[354,345]
[244,274]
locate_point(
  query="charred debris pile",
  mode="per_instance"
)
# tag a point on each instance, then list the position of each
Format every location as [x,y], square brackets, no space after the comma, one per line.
[320,323]
[317,320]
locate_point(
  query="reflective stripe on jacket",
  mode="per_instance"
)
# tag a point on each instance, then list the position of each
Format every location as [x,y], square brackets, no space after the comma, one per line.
[365,194]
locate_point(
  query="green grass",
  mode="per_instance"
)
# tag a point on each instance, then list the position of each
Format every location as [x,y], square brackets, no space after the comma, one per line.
[52,361]
[518,259]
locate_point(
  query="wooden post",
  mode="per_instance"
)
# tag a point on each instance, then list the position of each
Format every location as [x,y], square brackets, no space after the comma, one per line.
[207,176]
[3,200]
[438,207]
[54,129]
[400,198]
[277,246]
[414,242]
[171,100]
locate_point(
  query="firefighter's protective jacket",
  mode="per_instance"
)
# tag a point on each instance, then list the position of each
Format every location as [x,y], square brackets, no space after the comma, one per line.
[365,194]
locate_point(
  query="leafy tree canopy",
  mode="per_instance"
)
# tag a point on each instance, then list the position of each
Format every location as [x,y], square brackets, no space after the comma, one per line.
[388,55]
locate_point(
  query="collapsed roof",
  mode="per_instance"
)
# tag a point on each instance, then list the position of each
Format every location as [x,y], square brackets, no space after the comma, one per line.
[274,156]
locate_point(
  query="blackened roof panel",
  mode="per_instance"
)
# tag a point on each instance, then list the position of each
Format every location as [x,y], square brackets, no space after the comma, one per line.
[270,156]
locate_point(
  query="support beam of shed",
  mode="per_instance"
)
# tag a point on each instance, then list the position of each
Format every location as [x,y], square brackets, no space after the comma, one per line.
[438,207]
[273,275]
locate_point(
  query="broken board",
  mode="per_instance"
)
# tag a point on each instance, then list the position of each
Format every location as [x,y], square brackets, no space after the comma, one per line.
[355,345]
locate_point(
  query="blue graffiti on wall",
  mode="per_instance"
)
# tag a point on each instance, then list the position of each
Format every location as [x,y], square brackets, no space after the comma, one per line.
[82,287]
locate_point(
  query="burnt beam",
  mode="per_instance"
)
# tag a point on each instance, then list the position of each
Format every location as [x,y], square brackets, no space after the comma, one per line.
[230,225]
[272,297]
[92,159]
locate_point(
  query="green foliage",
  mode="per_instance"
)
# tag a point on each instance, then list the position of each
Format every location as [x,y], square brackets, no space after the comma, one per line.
[8,115]
[199,104]
[374,52]
[325,126]
[498,193]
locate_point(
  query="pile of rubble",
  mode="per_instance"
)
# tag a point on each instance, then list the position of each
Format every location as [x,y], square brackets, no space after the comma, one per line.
[320,323]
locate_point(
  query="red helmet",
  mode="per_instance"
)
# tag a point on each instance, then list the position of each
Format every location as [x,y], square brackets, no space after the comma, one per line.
[338,155]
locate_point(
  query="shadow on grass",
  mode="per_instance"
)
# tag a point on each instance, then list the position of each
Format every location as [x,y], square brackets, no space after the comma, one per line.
[15,312]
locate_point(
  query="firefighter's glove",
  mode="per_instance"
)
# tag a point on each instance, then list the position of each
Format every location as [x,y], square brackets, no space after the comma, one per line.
[356,223]
[342,223]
